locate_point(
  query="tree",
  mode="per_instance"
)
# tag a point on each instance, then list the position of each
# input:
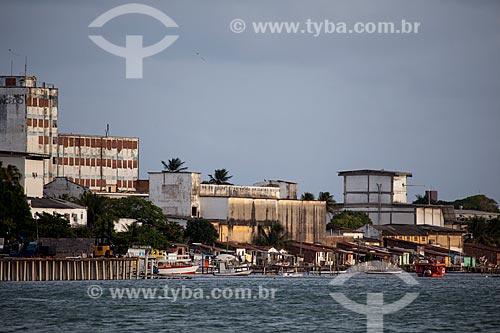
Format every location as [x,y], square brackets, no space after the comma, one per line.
[475,202]
[349,220]
[200,231]
[97,208]
[328,198]
[273,235]
[307,196]
[174,165]
[220,177]
[53,226]
[484,231]
[424,200]
[15,215]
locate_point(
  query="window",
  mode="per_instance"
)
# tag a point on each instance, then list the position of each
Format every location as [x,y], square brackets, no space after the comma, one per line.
[194,211]
[54,123]
[54,160]
[54,140]
[415,238]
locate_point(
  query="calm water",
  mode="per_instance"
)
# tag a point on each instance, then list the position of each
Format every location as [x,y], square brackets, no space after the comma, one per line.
[456,303]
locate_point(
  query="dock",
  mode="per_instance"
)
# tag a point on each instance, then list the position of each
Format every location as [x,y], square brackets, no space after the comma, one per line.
[67,269]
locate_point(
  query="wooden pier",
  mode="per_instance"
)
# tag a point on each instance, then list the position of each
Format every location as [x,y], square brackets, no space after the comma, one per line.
[52,269]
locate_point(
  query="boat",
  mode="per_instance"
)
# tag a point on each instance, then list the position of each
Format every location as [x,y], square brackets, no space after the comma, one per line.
[287,273]
[384,272]
[229,265]
[428,268]
[176,264]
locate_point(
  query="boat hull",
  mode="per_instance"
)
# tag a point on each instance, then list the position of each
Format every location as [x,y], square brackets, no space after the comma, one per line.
[178,270]
[430,269]
[238,273]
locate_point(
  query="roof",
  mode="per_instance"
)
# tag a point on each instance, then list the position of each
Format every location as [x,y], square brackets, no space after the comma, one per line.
[53,203]
[413,230]
[474,212]
[374,172]
[482,247]
[67,180]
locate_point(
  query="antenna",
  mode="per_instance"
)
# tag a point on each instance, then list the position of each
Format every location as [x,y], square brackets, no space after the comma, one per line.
[25,65]
[107,129]
[11,66]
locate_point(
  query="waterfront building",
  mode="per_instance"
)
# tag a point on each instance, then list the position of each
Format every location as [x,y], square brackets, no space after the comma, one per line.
[74,213]
[383,196]
[30,140]
[237,211]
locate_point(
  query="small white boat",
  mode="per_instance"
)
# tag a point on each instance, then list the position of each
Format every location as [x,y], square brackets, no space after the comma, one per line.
[290,274]
[178,264]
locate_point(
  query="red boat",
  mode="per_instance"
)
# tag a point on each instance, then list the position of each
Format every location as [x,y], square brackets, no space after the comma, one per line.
[430,269]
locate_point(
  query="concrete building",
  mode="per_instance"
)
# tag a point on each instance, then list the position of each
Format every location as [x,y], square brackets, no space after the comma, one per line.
[288,190]
[28,129]
[237,211]
[382,195]
[30,140]
[447,238]
[101,163]
[63,187]
[75,214]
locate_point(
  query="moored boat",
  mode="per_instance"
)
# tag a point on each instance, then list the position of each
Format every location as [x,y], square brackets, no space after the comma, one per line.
[430,269]
[179,264]
[229,265]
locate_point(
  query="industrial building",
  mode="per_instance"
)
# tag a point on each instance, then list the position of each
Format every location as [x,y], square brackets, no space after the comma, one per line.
[383,196]
[30,140]
[237,211]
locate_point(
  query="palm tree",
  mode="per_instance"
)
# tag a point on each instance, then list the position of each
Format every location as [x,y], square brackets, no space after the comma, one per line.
[307,196]
[274,235]
[220,177]
[174,165]
[328,198]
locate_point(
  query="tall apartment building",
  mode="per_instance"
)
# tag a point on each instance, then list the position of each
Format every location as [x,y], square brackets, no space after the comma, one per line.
[102,163]
[30,140]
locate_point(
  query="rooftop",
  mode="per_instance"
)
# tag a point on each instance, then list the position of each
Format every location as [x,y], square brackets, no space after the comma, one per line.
[53,203]
[374,172]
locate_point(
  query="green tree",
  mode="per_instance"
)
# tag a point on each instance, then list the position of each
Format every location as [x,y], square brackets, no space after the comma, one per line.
[349,220]
[174,165]
[484,231]
[97,208]
[200,231]
[307,196]
[423,200]
[475,202]
[15,215]
[328,198]
[54,226]
[273,235]
[220,177]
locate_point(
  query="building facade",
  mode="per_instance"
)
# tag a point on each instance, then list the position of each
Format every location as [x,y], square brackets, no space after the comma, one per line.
[30,140]
[383,196]
[237,211]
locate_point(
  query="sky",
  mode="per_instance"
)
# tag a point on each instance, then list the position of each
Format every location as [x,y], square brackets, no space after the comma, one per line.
[290,106]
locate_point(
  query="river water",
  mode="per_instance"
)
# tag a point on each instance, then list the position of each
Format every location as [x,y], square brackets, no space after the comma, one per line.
[455,303]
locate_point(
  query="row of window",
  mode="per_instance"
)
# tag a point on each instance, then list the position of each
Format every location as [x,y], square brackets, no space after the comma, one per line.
[130,184]
[45,123]
[98,143]
[95,162]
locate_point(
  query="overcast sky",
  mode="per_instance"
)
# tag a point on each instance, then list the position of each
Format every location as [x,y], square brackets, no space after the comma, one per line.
[281,106]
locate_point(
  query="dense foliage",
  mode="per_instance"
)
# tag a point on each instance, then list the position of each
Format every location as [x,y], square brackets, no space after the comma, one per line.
[15,217]
[220,177]
[349,220]
[174,165]
[200,231]
[475,202]
[483,231]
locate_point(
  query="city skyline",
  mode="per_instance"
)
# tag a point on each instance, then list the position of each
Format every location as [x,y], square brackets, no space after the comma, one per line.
[282,106]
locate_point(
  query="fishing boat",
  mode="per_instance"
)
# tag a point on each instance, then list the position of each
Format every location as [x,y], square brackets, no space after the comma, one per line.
[229,265]
[176,264]
[428,268]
